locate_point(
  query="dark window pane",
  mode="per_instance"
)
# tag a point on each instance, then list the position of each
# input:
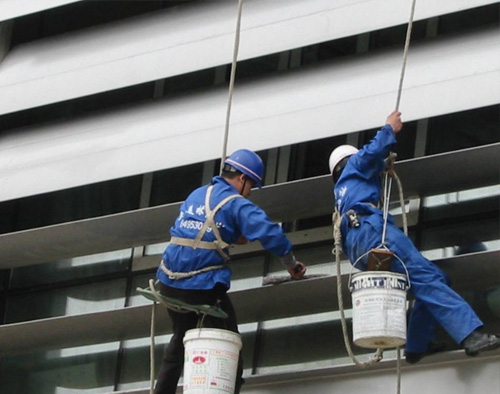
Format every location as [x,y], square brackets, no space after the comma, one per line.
[396,36]
[464,130]
[60,371]
[175,184]
[310,159]
[72,109]
[70,269]
[465,20]
[191,81]
[69,205]
[255,67]
[97,297]
[329,50]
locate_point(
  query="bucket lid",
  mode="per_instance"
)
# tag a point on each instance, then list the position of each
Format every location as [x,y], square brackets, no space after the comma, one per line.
[213,333]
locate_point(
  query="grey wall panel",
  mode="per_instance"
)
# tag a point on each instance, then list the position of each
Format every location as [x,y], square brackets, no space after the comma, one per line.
[297,107]
[450,373]
[474,167]
[477,375]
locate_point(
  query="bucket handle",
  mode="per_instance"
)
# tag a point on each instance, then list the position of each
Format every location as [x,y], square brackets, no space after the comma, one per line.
[365,254]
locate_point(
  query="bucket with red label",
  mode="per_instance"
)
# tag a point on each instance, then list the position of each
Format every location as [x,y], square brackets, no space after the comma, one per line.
[210,361]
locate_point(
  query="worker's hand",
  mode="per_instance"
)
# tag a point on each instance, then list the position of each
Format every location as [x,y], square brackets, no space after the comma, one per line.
[394,120]
[241,240]
[297,270]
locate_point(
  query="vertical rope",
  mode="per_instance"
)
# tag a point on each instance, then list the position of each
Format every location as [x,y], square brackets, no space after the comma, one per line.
[398,370]
[401,198]
[337,236]
[405,54]
[231,83]
[152,352]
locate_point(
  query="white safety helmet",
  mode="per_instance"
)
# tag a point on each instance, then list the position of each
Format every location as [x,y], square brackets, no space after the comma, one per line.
[340,153]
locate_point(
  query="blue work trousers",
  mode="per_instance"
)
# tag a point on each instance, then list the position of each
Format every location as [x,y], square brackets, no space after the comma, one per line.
[435,301]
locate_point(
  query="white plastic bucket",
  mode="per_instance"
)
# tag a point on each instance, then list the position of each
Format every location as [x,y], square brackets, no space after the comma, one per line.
[379,309]
[210,361]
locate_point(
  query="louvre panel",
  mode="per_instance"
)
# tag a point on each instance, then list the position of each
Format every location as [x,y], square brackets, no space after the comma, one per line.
[314,104]
[161,45]
[317,295]
[474,167]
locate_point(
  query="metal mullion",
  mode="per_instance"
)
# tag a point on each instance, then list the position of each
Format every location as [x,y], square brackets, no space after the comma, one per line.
[136,253]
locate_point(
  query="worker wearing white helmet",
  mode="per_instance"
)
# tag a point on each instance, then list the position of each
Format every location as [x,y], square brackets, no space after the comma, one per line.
[357,190]
[338,158]
[194,268]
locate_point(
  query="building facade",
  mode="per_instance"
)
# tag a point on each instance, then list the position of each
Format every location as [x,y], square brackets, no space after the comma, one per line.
[111,112]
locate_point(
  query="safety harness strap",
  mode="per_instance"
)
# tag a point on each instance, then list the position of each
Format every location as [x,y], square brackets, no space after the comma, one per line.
[210,220]
[201,244]
[219,244]
[183,275]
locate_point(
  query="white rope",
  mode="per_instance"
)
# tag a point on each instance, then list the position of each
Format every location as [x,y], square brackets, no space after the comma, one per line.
[152,352]
[224,153]
[405,53]
[400,187]
[231,83]
[398,370]
[377,356]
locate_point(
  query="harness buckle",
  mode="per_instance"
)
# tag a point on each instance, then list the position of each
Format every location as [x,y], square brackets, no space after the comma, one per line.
[353,218]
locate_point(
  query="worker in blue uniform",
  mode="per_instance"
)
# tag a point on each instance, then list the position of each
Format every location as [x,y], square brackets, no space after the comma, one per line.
[357,177]
[194,267]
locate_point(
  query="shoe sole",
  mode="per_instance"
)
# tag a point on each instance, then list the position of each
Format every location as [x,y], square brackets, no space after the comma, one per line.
[486,348]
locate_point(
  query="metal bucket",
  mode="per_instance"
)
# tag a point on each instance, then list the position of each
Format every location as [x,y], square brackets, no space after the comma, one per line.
[379,309]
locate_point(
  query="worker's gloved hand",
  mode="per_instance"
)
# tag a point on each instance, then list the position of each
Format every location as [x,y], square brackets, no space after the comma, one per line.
[297,270]
[241,240]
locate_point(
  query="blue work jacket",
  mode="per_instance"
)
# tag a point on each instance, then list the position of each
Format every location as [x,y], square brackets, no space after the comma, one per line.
[359,185]
[239,217]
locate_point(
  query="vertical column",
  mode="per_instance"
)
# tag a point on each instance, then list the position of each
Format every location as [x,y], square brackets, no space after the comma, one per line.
[5,38]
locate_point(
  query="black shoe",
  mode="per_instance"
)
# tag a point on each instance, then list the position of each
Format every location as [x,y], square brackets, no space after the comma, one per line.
[434,347]
[478,342]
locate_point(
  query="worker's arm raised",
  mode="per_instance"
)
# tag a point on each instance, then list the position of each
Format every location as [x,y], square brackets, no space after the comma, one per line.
[394,120]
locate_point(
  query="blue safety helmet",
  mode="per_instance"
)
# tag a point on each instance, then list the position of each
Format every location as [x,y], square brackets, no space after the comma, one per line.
[248,163]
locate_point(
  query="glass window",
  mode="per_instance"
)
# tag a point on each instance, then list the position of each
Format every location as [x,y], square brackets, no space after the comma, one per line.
[469,19]
[309,159]
[329,50]
[89,369]
[324,345]
[70,269]
[175,184]
[463,130]
[76,300]
[191,81]
[72,204]
[256,67]
[396,36]
[135,364]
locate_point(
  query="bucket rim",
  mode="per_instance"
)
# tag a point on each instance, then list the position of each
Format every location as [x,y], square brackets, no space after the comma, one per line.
[217,334]
[387,274]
